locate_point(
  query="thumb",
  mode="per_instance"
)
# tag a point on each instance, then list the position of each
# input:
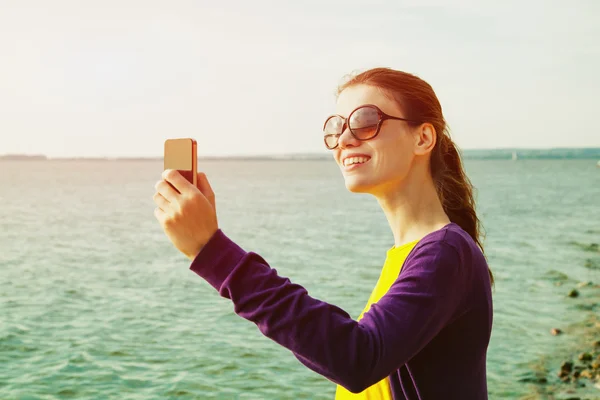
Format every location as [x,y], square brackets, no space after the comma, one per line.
[205,188]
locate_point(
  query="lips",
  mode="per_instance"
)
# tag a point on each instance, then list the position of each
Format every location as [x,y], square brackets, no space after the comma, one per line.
[352,165]
[354,158]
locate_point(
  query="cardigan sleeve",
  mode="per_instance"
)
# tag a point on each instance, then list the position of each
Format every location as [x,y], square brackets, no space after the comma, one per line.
[354,354]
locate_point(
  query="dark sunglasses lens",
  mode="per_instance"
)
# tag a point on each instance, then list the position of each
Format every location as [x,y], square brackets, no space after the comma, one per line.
[334,125]
[332,131]
[363,122]
[331,140]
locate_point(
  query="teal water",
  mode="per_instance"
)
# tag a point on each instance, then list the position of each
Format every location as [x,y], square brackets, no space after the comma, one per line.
[95,302]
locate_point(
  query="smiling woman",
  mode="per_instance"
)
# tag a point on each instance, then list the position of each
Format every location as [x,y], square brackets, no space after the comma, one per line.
[425,329]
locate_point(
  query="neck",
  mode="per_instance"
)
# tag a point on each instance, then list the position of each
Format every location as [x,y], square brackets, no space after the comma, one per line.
[413,209]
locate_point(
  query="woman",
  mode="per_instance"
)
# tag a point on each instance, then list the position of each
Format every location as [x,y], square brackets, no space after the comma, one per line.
[425,330]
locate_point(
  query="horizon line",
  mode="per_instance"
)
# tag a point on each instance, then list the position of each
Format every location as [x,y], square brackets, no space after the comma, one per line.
[273,155]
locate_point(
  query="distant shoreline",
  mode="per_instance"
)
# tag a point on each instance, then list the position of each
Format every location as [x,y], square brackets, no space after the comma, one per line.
[592,153]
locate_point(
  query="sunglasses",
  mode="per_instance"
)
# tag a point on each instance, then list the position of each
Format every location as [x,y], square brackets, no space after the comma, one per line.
[364,123]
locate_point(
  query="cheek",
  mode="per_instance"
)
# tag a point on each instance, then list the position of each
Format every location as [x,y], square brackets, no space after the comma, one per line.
[397,165]
[394,163]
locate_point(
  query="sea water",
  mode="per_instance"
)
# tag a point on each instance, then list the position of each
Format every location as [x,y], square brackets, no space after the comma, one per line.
[96,303]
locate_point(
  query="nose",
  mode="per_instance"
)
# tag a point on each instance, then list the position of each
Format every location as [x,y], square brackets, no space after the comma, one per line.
[346,139]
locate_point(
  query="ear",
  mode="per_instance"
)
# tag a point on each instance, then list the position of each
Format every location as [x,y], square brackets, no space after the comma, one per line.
[425,139]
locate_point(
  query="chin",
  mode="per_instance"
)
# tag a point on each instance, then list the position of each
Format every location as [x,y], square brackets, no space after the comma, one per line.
[358,185]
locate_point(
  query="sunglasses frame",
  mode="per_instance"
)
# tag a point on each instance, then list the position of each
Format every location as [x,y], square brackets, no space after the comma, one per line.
[382,117]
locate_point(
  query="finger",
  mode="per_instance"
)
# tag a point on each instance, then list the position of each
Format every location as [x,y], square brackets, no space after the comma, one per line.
[160,215]
[173,177]
[205,188]
[167,191]
[162,203]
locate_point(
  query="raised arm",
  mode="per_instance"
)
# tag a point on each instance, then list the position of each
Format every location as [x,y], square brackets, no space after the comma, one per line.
[324,337]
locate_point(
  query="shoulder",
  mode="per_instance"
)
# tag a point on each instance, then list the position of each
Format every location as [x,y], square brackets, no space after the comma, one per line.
[450,248]
[451,239]
[435,265]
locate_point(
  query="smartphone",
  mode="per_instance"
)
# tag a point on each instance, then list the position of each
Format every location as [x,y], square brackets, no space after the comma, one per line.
[181,154]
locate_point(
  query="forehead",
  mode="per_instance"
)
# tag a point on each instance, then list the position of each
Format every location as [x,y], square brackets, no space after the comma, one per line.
[358,95]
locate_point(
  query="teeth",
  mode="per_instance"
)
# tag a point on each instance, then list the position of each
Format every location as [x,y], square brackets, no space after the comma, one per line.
[355,160]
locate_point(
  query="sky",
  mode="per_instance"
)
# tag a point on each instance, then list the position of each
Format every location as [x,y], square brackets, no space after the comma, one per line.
[116,78]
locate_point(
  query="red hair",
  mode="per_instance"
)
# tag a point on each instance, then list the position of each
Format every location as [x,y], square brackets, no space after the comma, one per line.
[419,102]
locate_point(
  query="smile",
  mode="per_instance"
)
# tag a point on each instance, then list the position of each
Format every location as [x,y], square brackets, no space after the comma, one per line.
[351,163]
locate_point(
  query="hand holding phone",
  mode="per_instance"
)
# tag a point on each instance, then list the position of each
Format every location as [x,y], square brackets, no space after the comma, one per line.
[189,221]
[181,155]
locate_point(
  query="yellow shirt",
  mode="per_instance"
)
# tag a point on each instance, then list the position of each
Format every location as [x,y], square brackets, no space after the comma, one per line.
[389,273]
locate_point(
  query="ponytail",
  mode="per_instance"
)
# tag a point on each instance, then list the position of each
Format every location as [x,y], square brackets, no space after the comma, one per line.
[455,190]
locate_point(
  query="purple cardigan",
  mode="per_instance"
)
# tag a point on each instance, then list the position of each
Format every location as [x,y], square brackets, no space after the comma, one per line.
[429,333]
